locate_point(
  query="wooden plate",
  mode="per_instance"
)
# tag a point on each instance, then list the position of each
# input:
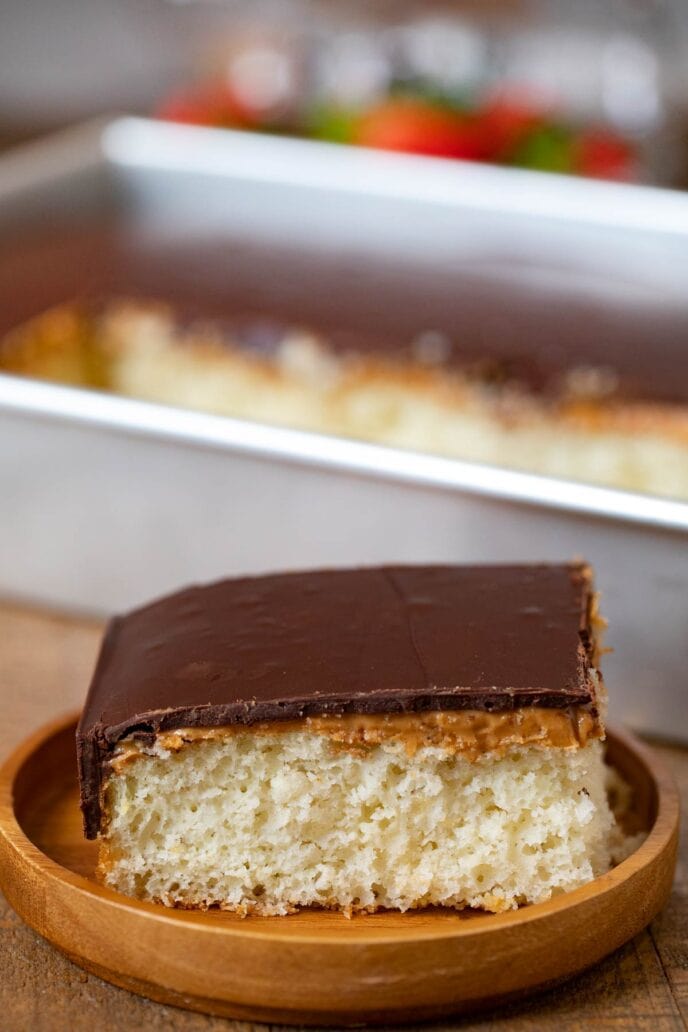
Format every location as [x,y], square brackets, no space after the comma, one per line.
[314,967]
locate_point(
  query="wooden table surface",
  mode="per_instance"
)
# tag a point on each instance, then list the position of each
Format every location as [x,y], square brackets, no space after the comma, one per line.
[45,664]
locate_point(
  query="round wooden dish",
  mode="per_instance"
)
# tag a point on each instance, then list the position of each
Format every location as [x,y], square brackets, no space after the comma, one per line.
[314,967]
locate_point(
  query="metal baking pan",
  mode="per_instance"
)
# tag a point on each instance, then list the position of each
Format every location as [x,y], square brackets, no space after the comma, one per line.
[107,501]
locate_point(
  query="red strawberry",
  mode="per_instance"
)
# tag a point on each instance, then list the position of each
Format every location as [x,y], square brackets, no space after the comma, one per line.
[504,122]
[211,103]
[604,155]
[420,127]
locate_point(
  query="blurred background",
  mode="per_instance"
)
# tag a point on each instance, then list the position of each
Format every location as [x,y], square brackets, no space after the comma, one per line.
[359,282]
[598,87]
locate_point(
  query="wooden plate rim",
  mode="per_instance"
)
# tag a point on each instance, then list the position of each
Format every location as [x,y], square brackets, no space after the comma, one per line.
[658,839]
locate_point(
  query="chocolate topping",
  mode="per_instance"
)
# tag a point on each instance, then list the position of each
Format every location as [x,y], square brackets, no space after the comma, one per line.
[382,640]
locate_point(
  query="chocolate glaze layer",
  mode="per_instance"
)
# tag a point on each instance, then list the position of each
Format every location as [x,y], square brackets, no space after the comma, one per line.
[381,640]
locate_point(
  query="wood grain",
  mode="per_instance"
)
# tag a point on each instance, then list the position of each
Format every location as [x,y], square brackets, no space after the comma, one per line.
[45,662]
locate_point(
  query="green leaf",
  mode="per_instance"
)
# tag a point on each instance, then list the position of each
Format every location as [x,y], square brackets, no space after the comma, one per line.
[328,122]
[547,149]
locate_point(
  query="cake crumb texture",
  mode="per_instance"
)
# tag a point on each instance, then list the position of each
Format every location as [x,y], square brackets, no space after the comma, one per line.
[272,823]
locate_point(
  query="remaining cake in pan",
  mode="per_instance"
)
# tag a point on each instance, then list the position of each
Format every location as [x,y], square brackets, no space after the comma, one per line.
[358,739]
[581,420]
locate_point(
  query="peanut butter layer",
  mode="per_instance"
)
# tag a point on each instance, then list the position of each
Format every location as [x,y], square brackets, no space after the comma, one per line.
[468,733]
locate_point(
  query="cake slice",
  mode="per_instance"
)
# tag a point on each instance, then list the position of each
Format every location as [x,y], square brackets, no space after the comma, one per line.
[354,739]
